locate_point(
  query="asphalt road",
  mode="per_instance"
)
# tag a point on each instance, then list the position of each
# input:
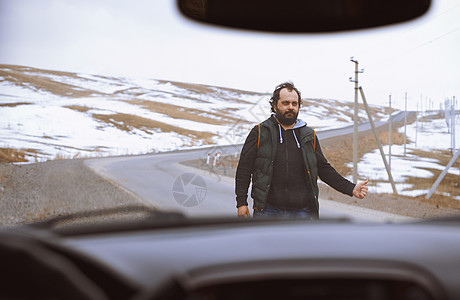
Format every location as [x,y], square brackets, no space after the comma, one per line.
[159,180]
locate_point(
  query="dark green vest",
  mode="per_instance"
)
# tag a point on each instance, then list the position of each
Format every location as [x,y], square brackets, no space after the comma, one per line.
[263,166]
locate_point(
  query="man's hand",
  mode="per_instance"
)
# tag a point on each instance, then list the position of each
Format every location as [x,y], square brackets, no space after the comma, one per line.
[243,211]
[360,190]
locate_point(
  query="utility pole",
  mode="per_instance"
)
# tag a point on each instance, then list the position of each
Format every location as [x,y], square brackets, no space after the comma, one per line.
[416,126]
[453,125]
[405,122]
[355,125]
[389,137]
[421,112]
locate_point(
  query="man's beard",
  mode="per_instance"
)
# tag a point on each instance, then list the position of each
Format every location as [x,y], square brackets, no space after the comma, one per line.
[283,119]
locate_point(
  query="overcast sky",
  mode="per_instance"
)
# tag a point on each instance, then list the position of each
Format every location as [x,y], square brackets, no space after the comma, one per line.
[150,39]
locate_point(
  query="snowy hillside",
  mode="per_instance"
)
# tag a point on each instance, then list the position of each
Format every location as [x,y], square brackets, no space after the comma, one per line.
[49,114]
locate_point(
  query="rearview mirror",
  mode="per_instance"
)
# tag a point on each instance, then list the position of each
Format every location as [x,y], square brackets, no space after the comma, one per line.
[307,16]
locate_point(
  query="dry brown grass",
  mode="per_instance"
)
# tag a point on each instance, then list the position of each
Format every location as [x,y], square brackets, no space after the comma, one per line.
[206,89]
[17,77]
[11,155]
[62,156]
[127,122]
[79,108]
[14,104]
[180,112]
[430,117]
[196,88]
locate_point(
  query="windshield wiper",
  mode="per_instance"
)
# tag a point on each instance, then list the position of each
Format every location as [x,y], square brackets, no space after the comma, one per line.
[111,216]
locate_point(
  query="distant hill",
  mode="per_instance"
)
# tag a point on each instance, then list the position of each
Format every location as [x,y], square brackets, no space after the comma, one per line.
[50,114]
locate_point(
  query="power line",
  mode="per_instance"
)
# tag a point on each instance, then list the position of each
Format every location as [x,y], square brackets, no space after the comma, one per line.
[413,27]
[404,52]
[437,38]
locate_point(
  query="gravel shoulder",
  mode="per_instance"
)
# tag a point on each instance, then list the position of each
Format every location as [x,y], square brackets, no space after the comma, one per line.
[39,191]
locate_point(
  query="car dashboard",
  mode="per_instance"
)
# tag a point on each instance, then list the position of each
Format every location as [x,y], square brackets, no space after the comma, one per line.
[230,258]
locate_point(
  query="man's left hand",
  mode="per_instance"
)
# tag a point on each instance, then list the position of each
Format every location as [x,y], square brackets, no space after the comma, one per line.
[360,190]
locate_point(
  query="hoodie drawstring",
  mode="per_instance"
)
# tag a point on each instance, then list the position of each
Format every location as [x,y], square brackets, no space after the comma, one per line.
[293,132]
[281,135]
[298,145]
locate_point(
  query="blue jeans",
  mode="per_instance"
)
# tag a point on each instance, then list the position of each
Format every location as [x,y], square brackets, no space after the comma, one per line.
[271,211]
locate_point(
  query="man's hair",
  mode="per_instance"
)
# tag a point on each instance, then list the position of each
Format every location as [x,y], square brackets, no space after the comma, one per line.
[276,93]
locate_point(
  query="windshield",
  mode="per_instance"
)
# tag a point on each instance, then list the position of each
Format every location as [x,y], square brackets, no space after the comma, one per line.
[121,104]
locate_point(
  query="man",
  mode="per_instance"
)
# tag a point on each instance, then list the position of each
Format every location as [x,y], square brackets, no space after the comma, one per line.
[283,157]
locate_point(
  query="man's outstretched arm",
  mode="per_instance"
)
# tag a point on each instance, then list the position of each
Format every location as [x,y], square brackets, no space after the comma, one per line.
[329,175]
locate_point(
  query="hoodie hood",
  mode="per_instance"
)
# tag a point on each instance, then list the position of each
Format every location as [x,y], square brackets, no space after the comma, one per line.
[299,123]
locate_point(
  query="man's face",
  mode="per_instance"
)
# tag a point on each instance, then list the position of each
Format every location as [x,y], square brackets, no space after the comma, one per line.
[287,108]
